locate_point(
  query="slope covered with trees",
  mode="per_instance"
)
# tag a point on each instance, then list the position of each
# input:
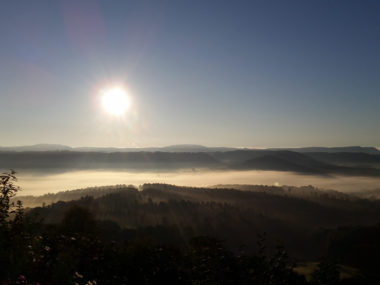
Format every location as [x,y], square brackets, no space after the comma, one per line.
[184,235]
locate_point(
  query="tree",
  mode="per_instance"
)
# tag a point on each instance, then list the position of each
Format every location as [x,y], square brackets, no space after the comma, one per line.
[79,220]
[12,243]
[327,273]
[7,191]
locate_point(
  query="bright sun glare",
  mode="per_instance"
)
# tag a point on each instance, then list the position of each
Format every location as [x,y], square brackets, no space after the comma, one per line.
[115,101]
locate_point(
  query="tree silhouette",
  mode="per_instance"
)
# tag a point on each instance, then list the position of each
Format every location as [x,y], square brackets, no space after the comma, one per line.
[7,190]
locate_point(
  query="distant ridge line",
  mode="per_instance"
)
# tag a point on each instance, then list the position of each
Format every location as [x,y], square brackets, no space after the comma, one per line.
[185,148]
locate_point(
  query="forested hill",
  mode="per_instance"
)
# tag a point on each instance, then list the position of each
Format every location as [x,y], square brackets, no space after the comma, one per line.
[69,195]
[232,215]
[335,198]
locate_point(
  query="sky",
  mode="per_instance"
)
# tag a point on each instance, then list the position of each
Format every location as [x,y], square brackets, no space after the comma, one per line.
[218,73]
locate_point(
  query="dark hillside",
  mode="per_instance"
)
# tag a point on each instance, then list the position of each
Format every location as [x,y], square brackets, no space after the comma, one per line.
[232,215]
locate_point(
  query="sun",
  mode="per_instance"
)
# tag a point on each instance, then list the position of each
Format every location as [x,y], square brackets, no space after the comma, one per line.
[115,101]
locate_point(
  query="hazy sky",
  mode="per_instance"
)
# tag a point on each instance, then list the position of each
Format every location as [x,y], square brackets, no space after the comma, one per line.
[233,73]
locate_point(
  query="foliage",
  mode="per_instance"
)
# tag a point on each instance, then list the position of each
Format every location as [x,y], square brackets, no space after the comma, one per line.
[7,190]
[327,273]
[80,249]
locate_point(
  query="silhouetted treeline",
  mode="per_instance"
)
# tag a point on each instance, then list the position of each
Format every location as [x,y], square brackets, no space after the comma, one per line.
[152,237]
[49,198]
[298,216]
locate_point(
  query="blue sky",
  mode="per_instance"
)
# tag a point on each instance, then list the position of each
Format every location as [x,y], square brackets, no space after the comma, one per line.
[218,73]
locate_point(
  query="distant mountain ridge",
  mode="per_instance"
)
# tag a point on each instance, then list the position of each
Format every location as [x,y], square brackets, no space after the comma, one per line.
[37,147]
[171,148]
[341,163]
[350,149]
[186,148]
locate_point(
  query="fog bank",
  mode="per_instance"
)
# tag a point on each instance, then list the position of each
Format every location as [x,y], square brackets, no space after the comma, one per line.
[38,184]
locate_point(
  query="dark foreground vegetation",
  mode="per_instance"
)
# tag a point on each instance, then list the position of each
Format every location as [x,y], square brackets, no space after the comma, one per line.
[137,241]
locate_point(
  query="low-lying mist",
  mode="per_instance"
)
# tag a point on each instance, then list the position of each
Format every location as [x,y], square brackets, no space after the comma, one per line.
[41,183]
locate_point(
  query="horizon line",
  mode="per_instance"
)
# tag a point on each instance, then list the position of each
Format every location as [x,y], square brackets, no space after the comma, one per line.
[189,145]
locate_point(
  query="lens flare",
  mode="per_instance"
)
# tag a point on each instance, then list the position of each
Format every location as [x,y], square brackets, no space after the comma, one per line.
[115,101]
